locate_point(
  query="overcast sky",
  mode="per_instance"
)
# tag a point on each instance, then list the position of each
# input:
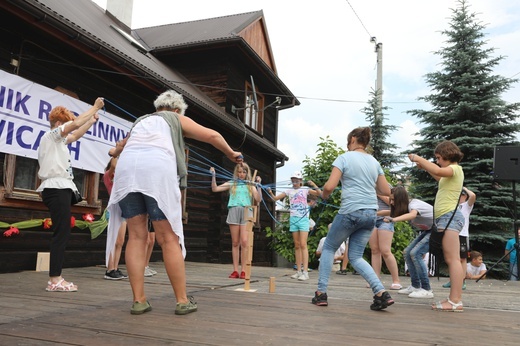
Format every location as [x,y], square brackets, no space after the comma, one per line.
[323,52]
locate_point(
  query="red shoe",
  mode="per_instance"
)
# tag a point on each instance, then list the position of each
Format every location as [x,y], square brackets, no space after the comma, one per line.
[243,275]
[234,275]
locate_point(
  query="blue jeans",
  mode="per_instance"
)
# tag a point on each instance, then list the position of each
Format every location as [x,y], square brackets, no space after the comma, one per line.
[413,256]
[357,228]
[513,269]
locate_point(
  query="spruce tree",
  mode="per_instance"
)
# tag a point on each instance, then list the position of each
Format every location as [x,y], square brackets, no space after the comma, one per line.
[382,150]
[466,107]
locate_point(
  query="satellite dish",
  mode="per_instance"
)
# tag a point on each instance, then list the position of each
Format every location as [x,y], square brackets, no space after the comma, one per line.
[254,94]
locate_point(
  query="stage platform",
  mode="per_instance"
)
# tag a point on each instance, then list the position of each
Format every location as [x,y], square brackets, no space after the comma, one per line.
[99,313]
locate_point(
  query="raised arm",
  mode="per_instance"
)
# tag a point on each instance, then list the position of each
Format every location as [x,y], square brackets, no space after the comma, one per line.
[277,197]
[75,129]
[214,186]
[471,196]
[435,171]
[195,131]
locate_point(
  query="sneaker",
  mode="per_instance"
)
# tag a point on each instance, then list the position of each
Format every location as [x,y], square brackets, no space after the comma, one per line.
[147,272]
[119,272]
[421,293]
[234,275]
[243,275]
[304,276]
[408,290]
[342,272]
[186,308]
[114,274]
[296,275]
[153,271]
[140,308]
[320,300]
[447,284]
[382,302]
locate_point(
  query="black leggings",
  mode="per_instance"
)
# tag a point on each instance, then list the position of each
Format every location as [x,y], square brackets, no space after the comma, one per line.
[58,202]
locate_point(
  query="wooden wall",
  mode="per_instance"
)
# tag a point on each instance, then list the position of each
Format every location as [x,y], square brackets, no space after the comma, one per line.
[207,234]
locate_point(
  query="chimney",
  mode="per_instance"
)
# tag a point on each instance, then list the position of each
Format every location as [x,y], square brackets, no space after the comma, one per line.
[121,11]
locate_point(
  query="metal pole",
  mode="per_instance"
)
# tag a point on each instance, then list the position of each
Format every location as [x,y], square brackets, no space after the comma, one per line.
[379,77]
[379,82]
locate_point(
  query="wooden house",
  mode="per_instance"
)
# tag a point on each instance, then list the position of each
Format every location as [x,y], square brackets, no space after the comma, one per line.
[224,68]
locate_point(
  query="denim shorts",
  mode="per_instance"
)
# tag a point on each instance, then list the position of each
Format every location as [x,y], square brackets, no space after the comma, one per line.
[137,203]
[384,226]
[456,224]
[298,223]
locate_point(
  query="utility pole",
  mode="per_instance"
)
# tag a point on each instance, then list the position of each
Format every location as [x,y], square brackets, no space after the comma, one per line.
[379,80]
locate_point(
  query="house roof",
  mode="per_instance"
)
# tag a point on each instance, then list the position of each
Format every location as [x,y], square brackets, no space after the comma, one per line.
[205,30]
[88,23]
[214,31]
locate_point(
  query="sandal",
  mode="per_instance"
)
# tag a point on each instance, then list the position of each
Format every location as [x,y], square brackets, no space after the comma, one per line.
[455,307]
[60,287]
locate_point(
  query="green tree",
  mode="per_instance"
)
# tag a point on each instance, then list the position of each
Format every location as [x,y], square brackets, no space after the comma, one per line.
[382,150]
[466,107]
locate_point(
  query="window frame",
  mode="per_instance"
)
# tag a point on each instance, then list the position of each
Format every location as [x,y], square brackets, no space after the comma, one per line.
[250,114]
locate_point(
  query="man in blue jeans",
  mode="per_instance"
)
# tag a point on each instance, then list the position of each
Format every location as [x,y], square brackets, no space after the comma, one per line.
[511,247]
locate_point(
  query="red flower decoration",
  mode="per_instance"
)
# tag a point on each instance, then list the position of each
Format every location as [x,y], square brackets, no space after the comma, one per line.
[72,221]
[88,217]
[47,223]
[12,230]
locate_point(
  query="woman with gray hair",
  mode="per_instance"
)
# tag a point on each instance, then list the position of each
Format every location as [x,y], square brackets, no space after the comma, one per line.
[151,171]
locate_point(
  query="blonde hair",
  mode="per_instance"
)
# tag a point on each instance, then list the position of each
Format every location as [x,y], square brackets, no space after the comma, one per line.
[244,167]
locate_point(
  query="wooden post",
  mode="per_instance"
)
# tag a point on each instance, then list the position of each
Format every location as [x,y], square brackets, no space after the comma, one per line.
[250,217]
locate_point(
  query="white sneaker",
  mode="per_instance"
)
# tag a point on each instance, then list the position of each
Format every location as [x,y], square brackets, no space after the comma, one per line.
[408,290]
[147,272]
[421,293]
[153,271]
[304,276]
[296,275]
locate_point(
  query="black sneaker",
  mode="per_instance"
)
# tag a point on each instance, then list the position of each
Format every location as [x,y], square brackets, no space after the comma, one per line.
[320,300]
[342,272]
[114,274]
[382,302]
[120,273]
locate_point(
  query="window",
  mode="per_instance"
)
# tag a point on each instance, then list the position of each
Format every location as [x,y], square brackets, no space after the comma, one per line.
[21,181]
[254,118]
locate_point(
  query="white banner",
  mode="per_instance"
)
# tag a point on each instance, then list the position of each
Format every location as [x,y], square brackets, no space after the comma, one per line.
[24,119]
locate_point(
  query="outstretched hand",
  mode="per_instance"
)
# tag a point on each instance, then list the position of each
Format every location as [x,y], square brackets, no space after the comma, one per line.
[236,157]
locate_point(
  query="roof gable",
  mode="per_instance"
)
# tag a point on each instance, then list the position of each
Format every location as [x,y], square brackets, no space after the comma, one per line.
[249,27]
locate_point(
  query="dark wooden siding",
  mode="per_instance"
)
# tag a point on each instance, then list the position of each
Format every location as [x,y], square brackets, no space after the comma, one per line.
[221,73]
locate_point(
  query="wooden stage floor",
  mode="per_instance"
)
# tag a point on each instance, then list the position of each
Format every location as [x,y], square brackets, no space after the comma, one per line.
[98,314]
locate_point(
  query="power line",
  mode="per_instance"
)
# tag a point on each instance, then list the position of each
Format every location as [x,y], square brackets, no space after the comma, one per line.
[360,21]
[210,86]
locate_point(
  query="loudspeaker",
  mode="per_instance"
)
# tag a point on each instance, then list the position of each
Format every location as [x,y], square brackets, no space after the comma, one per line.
[506,164]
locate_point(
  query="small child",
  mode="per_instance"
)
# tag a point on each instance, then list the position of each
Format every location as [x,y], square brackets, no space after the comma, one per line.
[338,255]
[476,267]
[299,220]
